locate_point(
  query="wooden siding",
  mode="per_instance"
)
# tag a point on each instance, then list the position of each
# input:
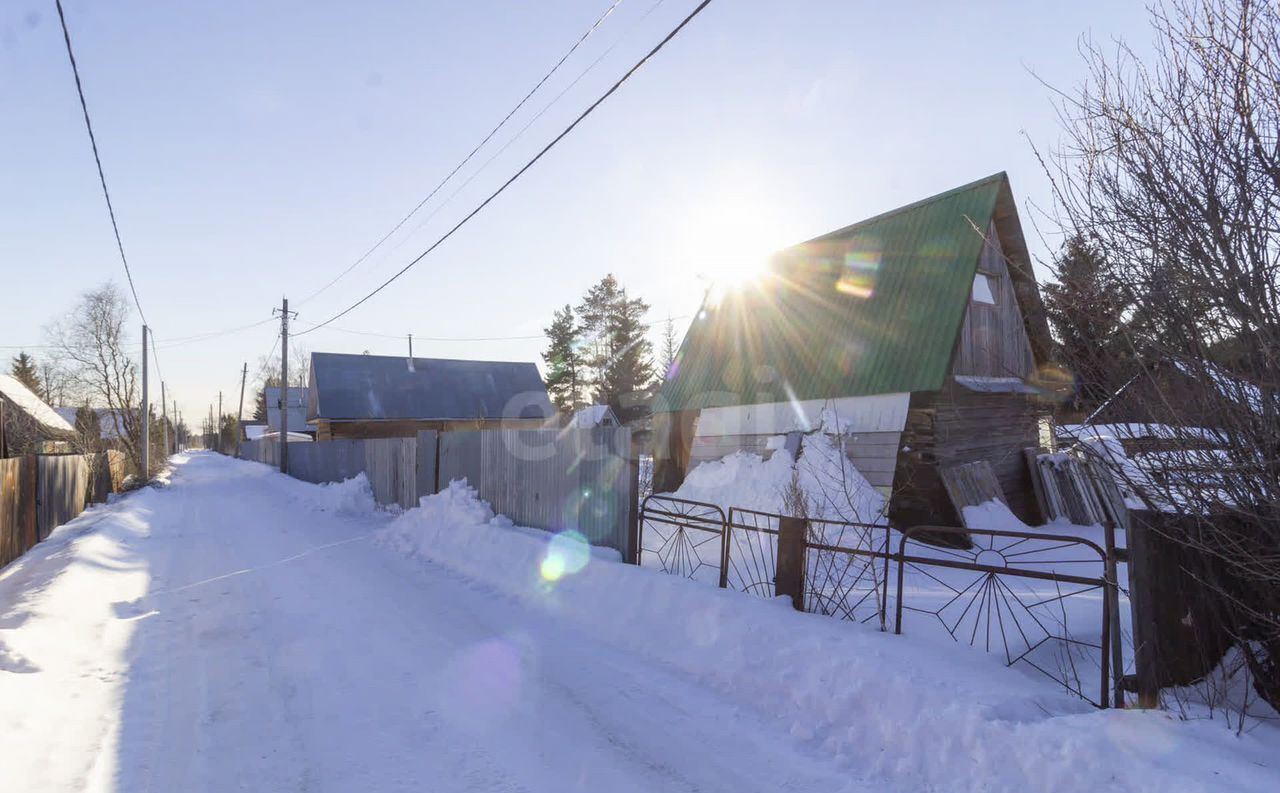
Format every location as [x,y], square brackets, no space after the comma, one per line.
[955,426]
[993,338]
[358,430]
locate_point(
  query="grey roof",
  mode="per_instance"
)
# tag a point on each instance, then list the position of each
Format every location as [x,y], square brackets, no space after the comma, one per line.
[373,387]
[110,422]
[297,408]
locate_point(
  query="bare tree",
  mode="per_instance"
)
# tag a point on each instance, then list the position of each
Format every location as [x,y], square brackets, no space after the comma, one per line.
[1170,171]
[93,345]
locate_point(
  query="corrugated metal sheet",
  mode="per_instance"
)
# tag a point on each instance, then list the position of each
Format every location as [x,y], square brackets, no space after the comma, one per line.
[873,308]
[297,409]
[374,387]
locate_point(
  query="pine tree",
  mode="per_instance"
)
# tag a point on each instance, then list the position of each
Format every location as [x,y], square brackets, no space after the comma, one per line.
[670,347]
[563,361]
[1086,310]
[628,372]
[260,404]
[24,371]
[594,312]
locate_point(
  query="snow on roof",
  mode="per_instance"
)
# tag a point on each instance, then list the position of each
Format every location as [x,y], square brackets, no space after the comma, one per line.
[26,401]
[110,426]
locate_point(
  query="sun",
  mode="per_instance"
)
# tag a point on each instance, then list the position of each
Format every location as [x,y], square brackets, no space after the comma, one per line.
[731,245]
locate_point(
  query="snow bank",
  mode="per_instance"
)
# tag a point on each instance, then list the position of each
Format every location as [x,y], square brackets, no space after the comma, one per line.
[831,486]
[904,711]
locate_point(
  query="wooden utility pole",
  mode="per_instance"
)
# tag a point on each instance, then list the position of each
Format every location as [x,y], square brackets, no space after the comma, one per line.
[164,419]
[284,385]
[244,375]
[177,433]
[146,414]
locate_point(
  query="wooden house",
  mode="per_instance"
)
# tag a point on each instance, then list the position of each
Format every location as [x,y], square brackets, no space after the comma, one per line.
[379,396]
[915,335]
[27,424]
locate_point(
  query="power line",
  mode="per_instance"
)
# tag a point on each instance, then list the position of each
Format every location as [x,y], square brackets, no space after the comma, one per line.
[555,100]
[93,141]
[590,109]
[401,336]
[472,153]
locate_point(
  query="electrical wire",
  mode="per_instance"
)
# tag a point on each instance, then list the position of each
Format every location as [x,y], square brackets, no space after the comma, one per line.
[416,337]
[93,141]
[514,138]
[590,109]
[470,154]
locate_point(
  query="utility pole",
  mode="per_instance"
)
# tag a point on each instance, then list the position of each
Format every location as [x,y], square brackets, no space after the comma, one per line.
[411,353]
[284,383]
[244,375]
[146,413]
[217,423]
[164,419]
[177,424]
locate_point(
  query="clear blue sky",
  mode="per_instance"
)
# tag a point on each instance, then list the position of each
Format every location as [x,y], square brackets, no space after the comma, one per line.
[256,149]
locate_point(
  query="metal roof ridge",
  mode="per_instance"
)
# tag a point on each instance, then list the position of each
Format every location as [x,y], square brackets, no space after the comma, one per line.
[914,205]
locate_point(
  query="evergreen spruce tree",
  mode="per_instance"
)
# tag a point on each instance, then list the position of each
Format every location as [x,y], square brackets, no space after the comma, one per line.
[563,361]
[670,347]
[24,371]
[1086,310]
[626,376]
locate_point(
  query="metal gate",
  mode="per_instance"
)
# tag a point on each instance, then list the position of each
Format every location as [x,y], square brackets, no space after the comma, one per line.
[1005,594]
[684,538]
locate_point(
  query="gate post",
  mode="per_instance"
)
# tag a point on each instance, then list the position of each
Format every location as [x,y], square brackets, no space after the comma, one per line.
[789,575]
[1144,620]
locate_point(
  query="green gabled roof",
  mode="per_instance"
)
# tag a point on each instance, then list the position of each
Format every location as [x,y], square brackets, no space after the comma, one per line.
[873,308]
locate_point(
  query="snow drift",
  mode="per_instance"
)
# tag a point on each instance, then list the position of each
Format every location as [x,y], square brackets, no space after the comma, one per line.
[827,481]
[906,711]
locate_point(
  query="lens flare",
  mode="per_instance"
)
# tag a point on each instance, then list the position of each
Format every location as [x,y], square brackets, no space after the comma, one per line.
[567,553]
[860,273]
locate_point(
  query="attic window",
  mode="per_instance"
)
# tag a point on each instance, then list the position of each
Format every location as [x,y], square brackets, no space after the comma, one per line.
[984,289]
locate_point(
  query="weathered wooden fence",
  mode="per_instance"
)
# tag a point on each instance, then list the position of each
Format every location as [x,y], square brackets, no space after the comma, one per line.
[553,479]
[40,493]
[390,464]
[60,491]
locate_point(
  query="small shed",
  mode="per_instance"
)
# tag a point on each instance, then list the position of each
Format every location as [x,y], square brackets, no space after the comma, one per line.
[296,406]
[594,416]
[27,424]
[914,335]
[378,396]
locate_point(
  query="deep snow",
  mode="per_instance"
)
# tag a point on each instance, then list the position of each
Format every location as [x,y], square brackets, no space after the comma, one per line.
[237,629]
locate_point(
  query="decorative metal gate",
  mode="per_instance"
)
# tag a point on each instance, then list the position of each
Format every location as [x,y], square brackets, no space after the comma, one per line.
[684,538]
[1006,595]
[846,565]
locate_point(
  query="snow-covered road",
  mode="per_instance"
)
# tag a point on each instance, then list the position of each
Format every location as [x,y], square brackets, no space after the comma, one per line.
[222,633]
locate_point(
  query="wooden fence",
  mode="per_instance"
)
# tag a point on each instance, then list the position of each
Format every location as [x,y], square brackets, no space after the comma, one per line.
[549,479]
[40,493]
[390,464]
[554,479]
